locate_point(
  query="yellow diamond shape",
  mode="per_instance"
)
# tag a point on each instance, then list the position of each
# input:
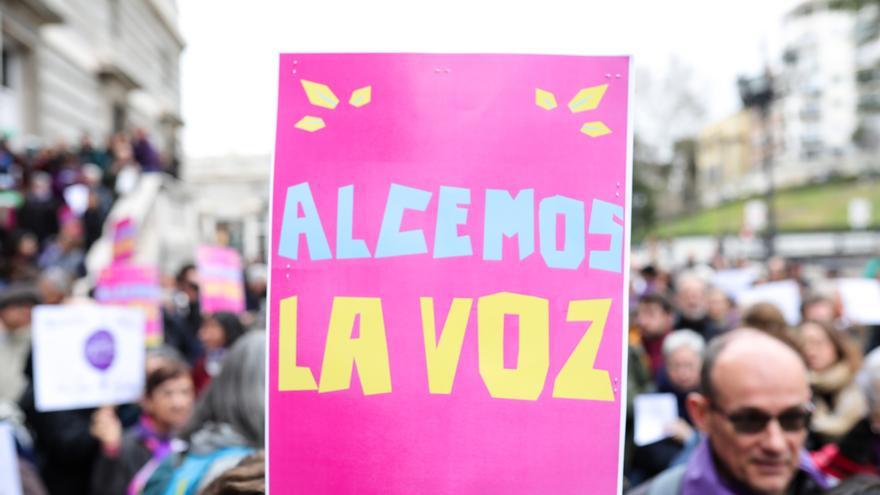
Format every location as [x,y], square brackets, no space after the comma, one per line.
[587,99]
[361,96]
[545,99]
[310,124]
[595,129]
[319,94]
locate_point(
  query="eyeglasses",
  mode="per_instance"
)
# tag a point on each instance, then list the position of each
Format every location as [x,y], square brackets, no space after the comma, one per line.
[750,421]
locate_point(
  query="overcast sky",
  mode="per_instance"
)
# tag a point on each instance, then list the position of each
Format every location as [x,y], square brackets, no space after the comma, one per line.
[228,66]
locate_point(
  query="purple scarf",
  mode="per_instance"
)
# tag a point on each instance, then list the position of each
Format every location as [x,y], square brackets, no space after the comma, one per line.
[159,445]
[702,477]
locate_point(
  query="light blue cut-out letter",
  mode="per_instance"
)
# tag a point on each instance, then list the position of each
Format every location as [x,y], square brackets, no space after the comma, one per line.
[508,217]
[393,242]
[572,254]
[346,247]
[309,225]
[602,222]
[447,242]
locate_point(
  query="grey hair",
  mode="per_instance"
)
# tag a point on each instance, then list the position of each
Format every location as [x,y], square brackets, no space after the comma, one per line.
[59,278]
[236,396]
[683,338]
[869,376]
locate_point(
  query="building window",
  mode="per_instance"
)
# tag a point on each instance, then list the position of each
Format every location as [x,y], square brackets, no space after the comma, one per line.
[119,117]
[5,76]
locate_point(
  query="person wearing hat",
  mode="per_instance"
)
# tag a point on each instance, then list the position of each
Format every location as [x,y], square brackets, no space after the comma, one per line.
[16,303]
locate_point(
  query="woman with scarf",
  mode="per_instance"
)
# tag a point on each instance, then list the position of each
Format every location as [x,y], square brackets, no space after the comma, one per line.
[833,362]
[227,426]
[128,459]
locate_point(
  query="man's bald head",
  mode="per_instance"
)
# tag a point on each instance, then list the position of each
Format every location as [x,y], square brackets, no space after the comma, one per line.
[751,348]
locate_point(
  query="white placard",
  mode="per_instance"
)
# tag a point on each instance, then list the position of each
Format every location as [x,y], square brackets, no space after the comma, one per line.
[653,414]
[77,198]
[785,294]
[87,356]
[861,300]
[10,483]
[734,281]
[859,213]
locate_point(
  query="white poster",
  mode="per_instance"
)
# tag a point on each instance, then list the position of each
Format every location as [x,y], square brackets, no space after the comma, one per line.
[10,484]
[87,356]
[653,413]
[861,300]
[785,294]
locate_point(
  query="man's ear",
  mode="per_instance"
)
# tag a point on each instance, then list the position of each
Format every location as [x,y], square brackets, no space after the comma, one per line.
[698,408]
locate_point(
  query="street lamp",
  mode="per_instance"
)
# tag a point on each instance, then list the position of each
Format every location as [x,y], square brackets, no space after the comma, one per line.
[757,93]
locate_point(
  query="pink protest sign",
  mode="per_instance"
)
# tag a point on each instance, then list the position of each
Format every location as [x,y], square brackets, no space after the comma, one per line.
[124,235]
[134,286]
[221,283]
[448,253]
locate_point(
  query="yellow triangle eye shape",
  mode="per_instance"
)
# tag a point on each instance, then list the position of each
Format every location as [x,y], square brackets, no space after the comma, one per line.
[595,129]
[310,124]
[587,99]
[361,96]
[319,94]
[545,99]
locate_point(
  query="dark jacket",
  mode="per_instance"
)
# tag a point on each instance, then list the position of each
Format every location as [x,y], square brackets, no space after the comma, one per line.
[112,474]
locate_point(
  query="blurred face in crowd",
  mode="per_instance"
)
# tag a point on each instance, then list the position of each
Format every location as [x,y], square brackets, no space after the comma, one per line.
[818,348]
[28,247]
[171,403]
[719,305]
[756,420]
[16,316]
[190,284]
[821,310]
[683,366]
[652,320]
[211,334]
[691,298]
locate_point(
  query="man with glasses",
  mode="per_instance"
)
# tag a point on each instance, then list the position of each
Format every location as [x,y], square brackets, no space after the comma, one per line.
[753,409]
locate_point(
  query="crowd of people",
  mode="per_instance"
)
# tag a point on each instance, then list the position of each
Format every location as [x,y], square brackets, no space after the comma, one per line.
[765,405]
[199,426]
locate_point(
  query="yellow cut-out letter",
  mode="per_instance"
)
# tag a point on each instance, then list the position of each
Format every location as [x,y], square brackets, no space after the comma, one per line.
[368,352]
[442,356]
[578,379]
[290,376]
[526,381]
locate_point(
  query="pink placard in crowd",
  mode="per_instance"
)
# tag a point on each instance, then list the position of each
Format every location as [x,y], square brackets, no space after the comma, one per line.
[134,286]
[448,269]
[124,235]
[221,282]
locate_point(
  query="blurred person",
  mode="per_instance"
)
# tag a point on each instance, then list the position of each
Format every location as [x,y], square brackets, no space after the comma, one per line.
[218,333]
[683,353]
[54,285]
[247,478]
[227,426]
[653,322]
[777,269]
[692,304]
[818,308]
[93,220]
[257,278]
[129,458]
[144,152]
[858,451]
[21,266]
[833,362]
[16,303]
[721,310]
[39,212]
[88,153]
[65,251]
[767,318]
[753,409]
[186,297]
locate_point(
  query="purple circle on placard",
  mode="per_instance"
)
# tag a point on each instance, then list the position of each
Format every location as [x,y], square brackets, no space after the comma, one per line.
[100,349]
